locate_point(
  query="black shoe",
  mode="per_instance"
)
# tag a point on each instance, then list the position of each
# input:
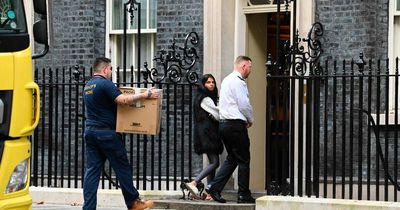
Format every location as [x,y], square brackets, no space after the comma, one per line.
[246,199]
[215,195]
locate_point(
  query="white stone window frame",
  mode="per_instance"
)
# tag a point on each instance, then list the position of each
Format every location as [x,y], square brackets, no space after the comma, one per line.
[114,36]
[268,7]
[393,46]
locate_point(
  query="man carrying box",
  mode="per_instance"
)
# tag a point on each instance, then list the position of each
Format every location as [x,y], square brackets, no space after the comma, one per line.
[102,142]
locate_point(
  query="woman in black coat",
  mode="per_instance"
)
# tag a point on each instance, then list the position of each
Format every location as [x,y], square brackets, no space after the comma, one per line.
[206,138]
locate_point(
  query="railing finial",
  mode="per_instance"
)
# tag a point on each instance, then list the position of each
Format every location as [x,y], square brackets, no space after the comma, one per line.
[76,72]
[361,62]
[269,64]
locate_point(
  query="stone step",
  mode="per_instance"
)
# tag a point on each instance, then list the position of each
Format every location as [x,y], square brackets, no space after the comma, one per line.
[230,196]
[200,204]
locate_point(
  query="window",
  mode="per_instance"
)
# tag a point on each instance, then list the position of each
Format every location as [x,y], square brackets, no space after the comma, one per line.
[257,2]
[265,6]
[12,17]
[115,33]
[398,5]
[393,42]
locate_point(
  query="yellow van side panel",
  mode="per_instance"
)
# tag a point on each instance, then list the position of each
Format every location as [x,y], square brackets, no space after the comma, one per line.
[6,73]
[23,116]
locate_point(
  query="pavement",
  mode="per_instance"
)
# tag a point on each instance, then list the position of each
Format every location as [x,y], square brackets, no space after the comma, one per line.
[67,207]
[71,199]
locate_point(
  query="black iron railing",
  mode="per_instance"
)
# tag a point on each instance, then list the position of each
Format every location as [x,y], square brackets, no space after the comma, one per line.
[58,150]
[158,162]
[335,134]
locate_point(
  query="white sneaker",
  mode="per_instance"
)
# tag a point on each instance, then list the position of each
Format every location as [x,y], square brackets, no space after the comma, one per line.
[192,189]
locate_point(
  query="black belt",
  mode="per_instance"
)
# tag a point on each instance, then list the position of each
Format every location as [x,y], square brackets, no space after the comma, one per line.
[232,120]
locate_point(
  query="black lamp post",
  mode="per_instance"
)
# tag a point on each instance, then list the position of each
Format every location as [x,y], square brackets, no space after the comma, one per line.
[133,5]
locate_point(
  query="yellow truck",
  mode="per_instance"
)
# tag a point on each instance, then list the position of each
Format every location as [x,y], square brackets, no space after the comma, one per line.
[19,100]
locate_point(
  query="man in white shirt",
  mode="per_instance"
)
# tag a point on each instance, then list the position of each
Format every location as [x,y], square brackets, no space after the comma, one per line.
[236,115]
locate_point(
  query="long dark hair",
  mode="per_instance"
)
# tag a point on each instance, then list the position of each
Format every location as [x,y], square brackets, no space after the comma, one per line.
[212,94]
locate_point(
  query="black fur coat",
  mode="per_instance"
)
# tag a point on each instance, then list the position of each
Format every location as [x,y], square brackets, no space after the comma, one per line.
[206,138]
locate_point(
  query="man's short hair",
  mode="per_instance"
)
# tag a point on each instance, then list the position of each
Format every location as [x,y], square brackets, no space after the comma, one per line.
[100,62]
[242,58]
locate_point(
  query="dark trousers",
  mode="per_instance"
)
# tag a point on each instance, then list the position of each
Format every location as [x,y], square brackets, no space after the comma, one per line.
[102,145]
[237,143]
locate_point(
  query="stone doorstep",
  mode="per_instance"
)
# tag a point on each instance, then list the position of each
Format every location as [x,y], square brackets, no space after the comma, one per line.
[202,205]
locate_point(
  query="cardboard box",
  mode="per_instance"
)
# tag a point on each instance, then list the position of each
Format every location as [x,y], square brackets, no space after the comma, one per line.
[142,117]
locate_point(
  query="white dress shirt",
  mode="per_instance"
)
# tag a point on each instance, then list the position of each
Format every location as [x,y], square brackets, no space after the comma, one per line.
[208,105]
[234,102]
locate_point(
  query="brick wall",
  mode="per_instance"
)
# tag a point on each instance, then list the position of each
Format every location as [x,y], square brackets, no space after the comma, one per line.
[78,33]
[177,18]
[354,26]
[351,27]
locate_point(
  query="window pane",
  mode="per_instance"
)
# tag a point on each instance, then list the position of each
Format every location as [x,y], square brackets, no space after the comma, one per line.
[143,15]
[398,5]
[127,77]
[396,42]
[143,10]
[120,51]
[12,16]
[117,15]
[145,49]
[153,14]
[147,45]
[255,2]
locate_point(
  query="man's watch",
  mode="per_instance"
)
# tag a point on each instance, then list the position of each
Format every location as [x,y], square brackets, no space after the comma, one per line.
[149,93]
